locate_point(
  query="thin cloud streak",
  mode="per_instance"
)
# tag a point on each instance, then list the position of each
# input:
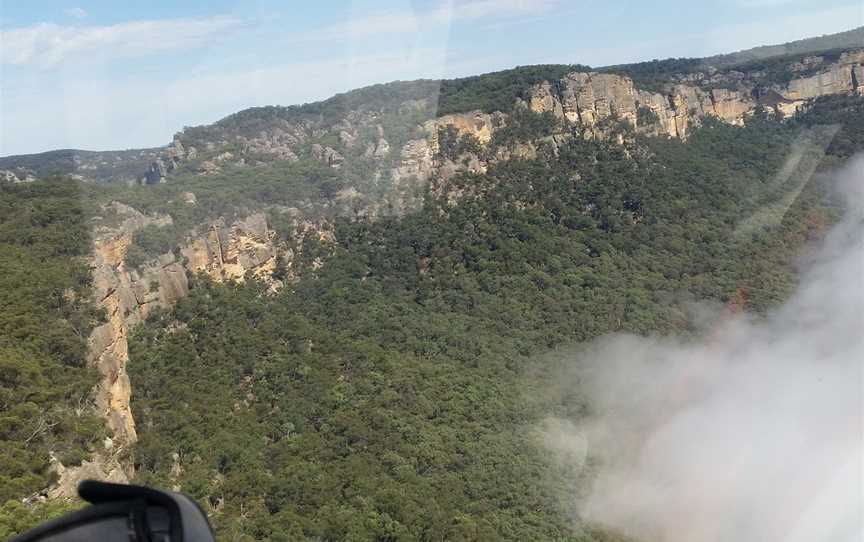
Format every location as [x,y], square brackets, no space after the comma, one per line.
[47,45]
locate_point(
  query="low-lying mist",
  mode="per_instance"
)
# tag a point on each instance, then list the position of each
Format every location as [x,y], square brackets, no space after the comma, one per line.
[755,432]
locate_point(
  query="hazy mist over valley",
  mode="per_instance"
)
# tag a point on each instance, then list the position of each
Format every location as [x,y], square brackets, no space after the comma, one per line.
[712,437]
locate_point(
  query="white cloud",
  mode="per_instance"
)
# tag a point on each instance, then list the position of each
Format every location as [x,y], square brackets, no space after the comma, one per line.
[753,432]
[48,44]
[75,13]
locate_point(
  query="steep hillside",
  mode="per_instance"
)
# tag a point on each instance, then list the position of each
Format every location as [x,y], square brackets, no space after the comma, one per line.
[45,291]
[325,321]
[393,130]
[387,393]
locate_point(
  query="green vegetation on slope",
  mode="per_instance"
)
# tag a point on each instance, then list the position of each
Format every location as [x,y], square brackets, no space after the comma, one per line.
[45,320]
[387,395]
[497,91]
[808,46]
[772,61]
[17,517]
[655,75]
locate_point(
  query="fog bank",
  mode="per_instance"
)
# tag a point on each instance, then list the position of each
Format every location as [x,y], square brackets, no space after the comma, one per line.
[755,433]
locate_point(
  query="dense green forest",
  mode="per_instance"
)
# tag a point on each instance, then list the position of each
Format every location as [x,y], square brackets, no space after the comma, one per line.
[395,393]
[45,320]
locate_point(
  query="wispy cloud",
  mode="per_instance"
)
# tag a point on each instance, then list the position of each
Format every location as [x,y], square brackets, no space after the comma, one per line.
[48,44]
[110,112]
[75,13]
[410,21]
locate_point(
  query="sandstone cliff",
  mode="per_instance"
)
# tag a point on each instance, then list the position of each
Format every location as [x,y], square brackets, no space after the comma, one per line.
[588,99]
[128,295]
[591,100]
[405,152]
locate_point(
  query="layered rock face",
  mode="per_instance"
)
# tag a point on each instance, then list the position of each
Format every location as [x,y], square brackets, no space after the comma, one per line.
[589,99]
[128,296]
[846,75]
[476,123]
[420,158]
[592,100]
[229,253]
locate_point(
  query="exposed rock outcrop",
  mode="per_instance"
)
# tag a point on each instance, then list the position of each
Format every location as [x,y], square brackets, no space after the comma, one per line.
[420,158]
[107,469]
[128,295]
[475,123]
[416,160]
[229,253]
[328,155]
[19,175]
[845,75]
[592,100]
[382,149]
[589,99]
[596,101]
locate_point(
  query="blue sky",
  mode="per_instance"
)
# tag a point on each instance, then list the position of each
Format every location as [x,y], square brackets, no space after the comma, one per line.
[111,75]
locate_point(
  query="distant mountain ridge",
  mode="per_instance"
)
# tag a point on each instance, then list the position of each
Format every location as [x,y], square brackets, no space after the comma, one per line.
[849,39]
[97,166]
[841,40]
[731,83]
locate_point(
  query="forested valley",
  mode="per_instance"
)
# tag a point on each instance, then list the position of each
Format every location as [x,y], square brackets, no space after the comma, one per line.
[396,389]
